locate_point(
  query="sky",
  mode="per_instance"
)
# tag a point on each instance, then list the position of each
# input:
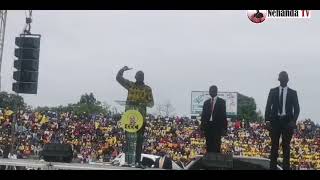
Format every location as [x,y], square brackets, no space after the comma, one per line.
[179,51]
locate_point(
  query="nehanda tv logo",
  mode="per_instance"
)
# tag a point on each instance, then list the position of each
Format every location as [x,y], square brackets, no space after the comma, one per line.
[258,16]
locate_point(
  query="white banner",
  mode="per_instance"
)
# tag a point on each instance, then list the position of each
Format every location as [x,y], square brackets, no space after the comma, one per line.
[198,98]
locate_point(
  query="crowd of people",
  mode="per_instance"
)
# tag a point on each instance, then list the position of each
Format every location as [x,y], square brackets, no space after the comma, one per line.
[93,138]
[99,138]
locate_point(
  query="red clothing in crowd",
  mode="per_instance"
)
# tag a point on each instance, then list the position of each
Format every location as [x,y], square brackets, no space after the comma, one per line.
[237,125]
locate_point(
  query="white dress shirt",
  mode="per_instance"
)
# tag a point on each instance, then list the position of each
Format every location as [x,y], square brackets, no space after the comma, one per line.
[285,90]
[213,101]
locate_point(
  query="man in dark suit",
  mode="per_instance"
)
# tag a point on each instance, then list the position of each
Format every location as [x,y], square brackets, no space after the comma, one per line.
[164,162]
[214,120]
[282,111]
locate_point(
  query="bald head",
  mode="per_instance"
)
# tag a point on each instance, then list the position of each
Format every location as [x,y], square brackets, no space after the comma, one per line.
[283,78]
[213,91]
[139,77]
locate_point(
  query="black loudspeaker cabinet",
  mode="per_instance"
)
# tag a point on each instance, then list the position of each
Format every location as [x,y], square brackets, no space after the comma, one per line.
[148,162]
[57,153]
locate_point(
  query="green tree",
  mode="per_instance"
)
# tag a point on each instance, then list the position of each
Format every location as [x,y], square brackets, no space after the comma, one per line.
[260,117]
[88,99]
[90,105]
[247,108]
[12,101]
[87,104]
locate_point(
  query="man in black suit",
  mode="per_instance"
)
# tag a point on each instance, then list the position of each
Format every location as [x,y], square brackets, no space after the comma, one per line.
[163,162]
[214,120]
[282,111]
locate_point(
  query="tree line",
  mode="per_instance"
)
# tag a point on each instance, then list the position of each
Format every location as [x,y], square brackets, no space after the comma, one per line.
[88,104]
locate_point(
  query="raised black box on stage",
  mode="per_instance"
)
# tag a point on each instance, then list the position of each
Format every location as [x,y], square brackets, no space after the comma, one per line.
[57,153]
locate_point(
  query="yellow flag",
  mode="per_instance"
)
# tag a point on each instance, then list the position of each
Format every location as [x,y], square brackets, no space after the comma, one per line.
[96,125]
[38,116]
[44,119]
[8,112]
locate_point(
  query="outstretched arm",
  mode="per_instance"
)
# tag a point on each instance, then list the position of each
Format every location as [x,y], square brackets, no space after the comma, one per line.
[124,82]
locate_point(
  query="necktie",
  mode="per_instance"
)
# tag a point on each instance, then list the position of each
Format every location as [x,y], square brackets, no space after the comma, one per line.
[212,108]
[281,100]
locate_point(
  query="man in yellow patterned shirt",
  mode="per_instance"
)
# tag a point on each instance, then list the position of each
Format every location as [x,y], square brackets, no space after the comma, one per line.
[139,98]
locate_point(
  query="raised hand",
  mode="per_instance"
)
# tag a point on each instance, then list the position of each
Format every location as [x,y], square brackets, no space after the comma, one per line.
[125,68]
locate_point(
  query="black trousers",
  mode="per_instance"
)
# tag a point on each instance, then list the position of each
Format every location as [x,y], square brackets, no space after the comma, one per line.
[213,140]
[139,146]
[279,127]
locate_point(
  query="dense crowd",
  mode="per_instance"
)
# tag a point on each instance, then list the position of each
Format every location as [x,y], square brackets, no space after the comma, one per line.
[100,138]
